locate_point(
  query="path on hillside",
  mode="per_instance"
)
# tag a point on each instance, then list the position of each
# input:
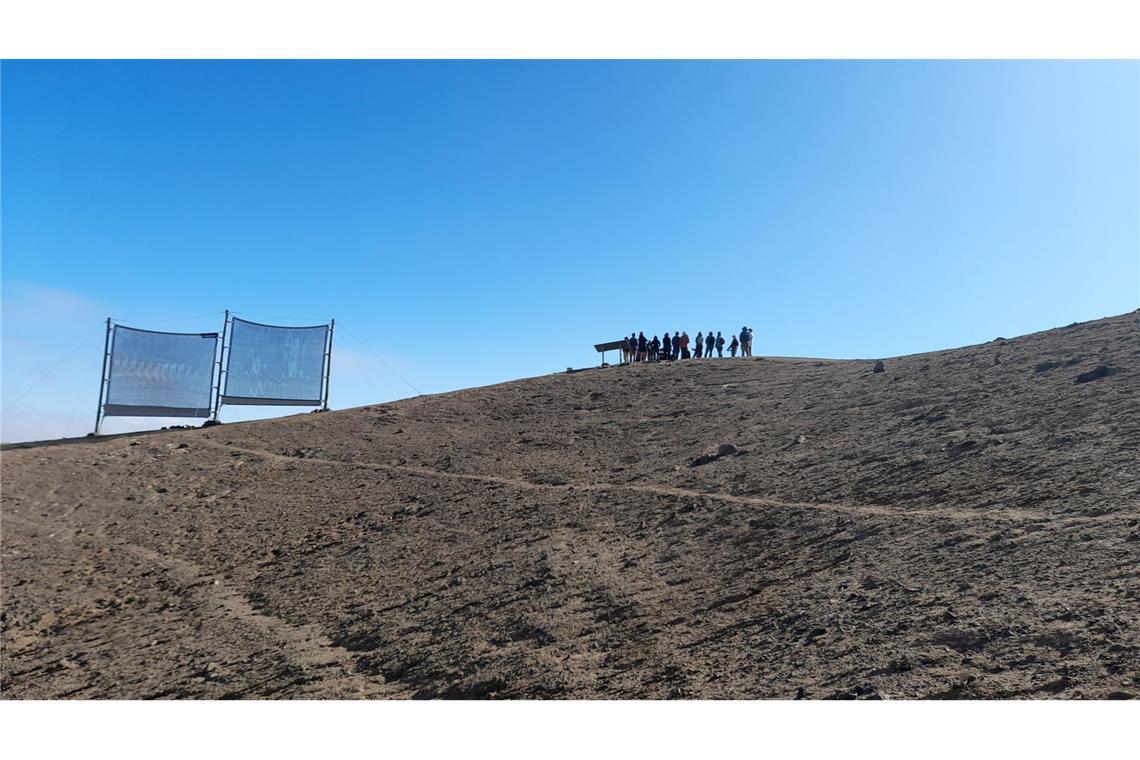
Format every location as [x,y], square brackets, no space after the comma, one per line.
[955,513]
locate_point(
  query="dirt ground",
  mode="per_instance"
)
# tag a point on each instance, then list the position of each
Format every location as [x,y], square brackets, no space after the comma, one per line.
[963,524]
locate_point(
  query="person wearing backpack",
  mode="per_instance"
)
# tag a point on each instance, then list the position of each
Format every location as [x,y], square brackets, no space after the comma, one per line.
[710,341]
[719,345]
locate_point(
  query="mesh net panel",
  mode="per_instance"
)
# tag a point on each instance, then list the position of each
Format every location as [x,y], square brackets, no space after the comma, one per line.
[275,364]
[157,373]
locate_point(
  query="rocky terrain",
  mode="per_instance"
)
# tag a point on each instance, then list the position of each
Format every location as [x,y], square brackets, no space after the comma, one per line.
[961,524]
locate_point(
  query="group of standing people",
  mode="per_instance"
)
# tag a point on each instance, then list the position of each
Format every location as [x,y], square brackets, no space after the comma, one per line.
[643,349]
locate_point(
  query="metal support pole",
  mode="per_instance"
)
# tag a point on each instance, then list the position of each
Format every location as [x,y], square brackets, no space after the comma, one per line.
[328,366]
[227,356]
[103,377]
[218,388]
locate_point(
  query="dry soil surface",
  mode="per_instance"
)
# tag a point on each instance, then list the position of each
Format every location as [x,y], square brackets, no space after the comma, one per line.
[965,523]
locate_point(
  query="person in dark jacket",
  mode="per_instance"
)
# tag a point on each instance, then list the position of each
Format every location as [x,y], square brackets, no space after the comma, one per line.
[684,345]
[666,348]
[719,345]
[642,347]
[632,347]
[699,345]
[710,341]
[733,346]
[654,347]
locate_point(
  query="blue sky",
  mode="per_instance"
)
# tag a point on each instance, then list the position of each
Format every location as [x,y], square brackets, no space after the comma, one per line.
[474,222]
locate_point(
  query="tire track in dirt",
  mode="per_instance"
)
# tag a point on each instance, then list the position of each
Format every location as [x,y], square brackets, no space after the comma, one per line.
[304,645]
[956,513]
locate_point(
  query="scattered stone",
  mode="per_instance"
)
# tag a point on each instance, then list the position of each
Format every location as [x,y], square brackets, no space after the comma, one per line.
[879,367]
[548,479]
[960,447]
[901,665]
[1096,374]
[724,450]
[1046,366]
[815,634]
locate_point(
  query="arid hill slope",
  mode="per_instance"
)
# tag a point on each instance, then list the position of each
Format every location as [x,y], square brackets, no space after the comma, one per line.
[964,524]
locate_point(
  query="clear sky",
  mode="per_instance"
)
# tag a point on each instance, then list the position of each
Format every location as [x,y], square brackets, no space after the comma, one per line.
[475,222]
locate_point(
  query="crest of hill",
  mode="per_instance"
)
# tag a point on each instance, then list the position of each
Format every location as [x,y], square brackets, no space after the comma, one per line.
[1006,422]
[963,523]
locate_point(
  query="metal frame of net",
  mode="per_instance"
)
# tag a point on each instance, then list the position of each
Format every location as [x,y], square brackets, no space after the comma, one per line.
[276,365]
[147,373]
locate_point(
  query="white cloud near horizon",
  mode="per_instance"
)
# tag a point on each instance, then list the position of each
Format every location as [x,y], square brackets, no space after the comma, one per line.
[51,350]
